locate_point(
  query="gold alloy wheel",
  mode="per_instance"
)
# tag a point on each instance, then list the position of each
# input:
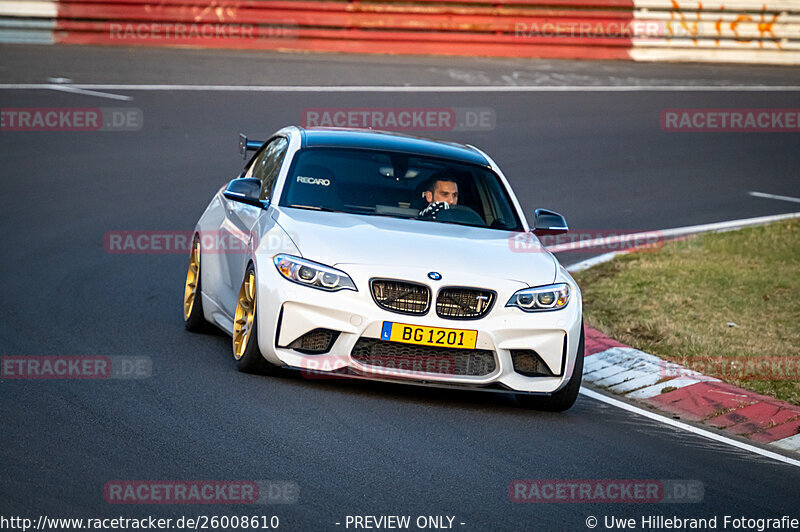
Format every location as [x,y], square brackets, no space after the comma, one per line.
[192,279]
[245,314]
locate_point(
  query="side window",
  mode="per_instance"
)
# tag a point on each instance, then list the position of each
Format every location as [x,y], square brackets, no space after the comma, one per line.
[498,214]
[267,165]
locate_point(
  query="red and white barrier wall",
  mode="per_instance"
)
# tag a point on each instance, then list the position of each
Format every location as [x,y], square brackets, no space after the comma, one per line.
[741,31]
[642,30]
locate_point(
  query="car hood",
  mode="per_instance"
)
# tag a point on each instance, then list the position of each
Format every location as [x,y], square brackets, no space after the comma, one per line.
[338,238]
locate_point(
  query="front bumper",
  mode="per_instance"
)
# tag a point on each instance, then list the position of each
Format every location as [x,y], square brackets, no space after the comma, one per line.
[288,311]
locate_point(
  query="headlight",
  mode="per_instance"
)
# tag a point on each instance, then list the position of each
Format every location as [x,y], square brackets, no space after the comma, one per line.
[550,297]
[313,274]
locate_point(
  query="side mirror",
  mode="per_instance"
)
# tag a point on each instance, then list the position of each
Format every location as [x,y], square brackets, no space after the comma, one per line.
[245,190]
[548,223]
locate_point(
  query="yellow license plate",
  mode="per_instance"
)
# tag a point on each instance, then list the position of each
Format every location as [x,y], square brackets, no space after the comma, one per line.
[435,336]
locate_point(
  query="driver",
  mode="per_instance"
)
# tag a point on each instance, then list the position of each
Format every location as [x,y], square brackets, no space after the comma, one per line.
[441,193]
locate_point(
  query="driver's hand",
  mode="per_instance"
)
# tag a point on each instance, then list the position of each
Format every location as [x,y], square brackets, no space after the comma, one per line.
[433,209]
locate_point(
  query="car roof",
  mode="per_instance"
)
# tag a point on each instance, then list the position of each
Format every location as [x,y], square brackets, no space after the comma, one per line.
[385,140]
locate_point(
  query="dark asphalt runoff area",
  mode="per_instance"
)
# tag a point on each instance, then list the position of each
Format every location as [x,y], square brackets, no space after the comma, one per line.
[353,448]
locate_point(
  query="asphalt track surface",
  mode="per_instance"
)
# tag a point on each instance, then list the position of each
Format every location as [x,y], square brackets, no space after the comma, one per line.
[353,448]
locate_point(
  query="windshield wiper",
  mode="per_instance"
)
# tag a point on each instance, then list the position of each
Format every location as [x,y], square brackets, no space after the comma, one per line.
[387,215]
[459,223]
[312,208]
[370,211]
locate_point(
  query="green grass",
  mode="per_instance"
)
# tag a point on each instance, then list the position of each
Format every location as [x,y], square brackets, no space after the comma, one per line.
[677,302]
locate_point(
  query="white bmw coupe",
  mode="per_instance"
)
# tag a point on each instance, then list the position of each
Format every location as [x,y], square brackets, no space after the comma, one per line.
[366,254]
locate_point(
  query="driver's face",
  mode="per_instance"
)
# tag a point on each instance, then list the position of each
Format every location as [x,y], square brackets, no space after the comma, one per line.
[444,191]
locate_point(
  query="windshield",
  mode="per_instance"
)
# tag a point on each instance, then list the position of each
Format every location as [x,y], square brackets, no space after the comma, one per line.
[394,184]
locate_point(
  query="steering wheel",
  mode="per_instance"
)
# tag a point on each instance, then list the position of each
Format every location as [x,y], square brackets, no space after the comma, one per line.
[452,213]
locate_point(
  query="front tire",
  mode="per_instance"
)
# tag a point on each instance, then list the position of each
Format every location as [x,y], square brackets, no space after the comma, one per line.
[245,329]
[564,398]
[193,318]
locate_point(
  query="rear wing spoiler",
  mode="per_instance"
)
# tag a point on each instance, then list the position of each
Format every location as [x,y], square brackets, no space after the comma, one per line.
[246,145]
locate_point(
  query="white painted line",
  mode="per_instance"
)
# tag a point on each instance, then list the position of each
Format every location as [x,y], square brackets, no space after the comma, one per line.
[688,428]
[662,234]
[774,196]
[792,443]
[642,238]
[421,88]
[74,90]
[724,226]
[588,263]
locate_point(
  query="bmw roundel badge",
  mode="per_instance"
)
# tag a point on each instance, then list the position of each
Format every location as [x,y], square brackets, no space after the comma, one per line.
[436,276]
